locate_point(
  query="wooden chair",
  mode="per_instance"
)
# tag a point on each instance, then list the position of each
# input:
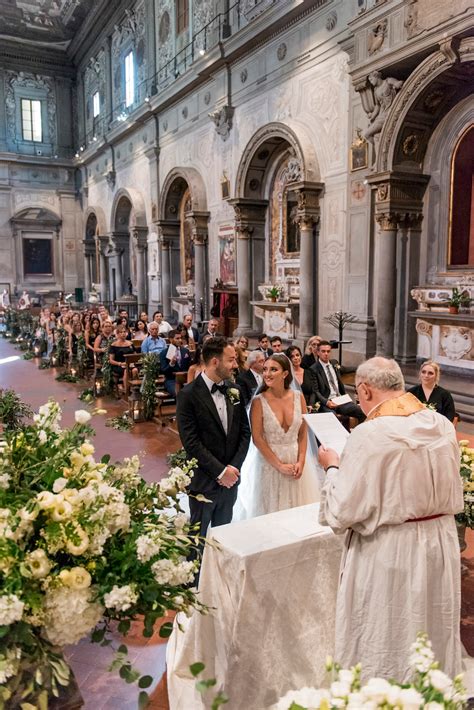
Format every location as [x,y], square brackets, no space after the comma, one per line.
[181,380]
[130,378]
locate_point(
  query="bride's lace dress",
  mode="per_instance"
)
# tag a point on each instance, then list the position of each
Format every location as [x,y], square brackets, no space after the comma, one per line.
[263,489]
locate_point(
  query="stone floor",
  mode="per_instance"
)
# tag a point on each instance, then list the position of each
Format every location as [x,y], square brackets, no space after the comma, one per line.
[102,690]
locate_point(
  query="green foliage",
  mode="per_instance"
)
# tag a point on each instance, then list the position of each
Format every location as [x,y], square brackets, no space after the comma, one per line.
[61,345]
[107,374]
[459,298]
[67,377]
[87,395]
[12,410]
[121,423]
[179,458]
[150,371]
[202,686]
[45,364]
[81,355]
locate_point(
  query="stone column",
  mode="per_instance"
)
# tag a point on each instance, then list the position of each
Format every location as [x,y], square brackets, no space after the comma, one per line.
[165,277]
[139,236]
[102,243]
[87,273]
[244,233]
[199,234]
[408,274]
[385,284]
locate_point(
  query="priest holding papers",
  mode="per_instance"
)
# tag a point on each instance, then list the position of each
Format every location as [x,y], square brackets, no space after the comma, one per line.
[394,492]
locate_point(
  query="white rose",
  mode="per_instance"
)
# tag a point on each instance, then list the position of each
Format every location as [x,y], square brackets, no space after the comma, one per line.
[440,681]
[340,689]
[376,690]
[410,699]
[80,547]
[46,500]
[87,449]
[79,578]
[82,416]
[59,484]
[61,511]
[38,564]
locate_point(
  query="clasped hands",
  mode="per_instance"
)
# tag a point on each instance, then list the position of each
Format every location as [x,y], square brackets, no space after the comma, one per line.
[230,477]
[294,470]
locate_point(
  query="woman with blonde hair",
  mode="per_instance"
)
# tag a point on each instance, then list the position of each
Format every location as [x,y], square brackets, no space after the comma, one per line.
[431,393]
[310,356]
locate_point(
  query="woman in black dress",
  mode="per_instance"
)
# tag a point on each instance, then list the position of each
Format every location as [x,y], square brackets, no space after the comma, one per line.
[117,351]
[304,377]
[430,393]
[311,353]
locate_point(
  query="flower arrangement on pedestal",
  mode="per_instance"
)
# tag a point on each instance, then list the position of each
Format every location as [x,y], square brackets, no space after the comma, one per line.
[430,688]
[82,543]
[466,518]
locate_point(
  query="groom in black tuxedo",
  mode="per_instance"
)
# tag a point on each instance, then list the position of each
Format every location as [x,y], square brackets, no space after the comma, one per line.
[214,429]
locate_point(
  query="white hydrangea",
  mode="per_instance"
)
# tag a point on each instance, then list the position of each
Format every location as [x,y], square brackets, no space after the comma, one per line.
[82,416]
[11,609]
[177,480]
[168,572]
[121,598]
[310,698]
[440,681]
[48,417]
[70,615]
[148,546]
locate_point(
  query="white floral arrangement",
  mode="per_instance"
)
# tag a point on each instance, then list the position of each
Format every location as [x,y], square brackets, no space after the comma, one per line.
[466,469]
[430,688]
[83,543]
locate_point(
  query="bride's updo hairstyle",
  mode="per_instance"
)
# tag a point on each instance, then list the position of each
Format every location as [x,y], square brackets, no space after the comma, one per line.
[285,365]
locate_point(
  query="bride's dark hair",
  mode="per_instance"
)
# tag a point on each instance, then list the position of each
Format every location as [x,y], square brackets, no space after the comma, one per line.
[285,364]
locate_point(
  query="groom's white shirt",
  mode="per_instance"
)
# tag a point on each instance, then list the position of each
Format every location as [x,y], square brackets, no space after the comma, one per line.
[219,401]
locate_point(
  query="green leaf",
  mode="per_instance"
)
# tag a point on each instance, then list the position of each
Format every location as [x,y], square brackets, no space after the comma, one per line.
[97,635]
[4,631]
[145,681]
[166,630]
[122,649]
[124,626]
[148,633]
[143,700]
[197,668]
[124,672]
[105,458]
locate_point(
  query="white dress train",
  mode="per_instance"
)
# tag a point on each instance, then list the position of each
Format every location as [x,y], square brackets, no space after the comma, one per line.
[262,488]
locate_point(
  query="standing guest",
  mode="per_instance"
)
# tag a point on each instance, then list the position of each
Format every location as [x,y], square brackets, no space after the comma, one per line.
[90,336]
[75,332]
[190,333]
[264,345]
[117,351]
[304,378]
[277,345]
[197,367]
[310,356]
[429,391]
[251,379]
[103,340]
[180,362]
[153,343]
[395,492]
[215,431]
[329,385]
[211,331]
[163,326]
[140,330]
[51,326]
[103,313]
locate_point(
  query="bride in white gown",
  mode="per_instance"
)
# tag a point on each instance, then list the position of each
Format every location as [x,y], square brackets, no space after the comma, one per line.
[277,474]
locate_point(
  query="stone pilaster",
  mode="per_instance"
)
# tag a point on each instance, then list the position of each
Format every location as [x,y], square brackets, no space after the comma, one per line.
[168,236]
[385,281]
[199,235]
[139,240]
[102,246]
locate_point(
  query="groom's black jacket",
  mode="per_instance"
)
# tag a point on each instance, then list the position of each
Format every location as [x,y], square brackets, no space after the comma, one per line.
[204,438]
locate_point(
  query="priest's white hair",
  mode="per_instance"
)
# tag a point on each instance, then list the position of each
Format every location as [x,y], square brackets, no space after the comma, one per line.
[381,374]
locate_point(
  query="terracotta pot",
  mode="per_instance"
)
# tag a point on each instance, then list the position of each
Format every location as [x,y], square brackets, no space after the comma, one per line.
[453,309]
[273,299]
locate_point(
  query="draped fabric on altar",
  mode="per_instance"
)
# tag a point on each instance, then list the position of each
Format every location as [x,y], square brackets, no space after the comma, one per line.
[397,577]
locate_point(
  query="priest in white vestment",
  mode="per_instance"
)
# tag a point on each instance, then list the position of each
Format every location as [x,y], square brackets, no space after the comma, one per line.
[394,493]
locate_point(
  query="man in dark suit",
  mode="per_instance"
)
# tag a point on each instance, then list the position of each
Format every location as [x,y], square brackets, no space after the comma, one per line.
[251,379]
[264,345]
[180,362]
[214,429]
[190,333]
[329,384]
[211,331]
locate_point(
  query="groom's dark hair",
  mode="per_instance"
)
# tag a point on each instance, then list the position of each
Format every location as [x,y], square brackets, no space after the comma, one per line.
[213,347]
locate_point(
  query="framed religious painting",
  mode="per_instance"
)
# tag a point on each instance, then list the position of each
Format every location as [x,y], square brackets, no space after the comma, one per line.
[359,153]
[225,187]
[227,255]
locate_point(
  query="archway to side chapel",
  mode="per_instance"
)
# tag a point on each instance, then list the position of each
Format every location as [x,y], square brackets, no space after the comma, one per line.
[91,265]
[183,230]
[277,226]
[413,184]
[126,249]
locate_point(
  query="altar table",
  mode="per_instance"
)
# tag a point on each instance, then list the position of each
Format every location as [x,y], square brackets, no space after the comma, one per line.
[272,583]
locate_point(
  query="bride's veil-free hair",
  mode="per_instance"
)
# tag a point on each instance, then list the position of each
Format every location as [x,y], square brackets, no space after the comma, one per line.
[285,365]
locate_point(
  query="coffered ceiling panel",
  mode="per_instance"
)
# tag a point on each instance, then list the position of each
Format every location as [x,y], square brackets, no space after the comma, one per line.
[49,21]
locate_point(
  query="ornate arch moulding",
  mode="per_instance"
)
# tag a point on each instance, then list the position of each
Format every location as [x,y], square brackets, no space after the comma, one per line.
[295,136]
[425,74]
[138,205]
[99,214]
[195,184]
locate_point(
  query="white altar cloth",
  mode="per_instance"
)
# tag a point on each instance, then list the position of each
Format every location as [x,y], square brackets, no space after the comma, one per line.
[272,583]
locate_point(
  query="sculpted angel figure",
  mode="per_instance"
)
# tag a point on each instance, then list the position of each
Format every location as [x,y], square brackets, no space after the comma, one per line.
[384,92]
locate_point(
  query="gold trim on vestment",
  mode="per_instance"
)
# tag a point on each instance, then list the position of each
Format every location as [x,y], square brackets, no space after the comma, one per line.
[401,406]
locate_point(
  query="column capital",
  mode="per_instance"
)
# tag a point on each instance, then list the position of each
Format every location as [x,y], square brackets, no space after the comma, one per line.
[139,237]
[198,222]
[307,211]
[387,221]
[398,191]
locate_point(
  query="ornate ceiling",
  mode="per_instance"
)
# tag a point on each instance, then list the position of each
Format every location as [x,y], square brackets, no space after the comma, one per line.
[49,21]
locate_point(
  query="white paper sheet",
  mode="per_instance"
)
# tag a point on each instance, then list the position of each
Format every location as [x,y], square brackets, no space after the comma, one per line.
[172,350]
[342,399]
[328,430]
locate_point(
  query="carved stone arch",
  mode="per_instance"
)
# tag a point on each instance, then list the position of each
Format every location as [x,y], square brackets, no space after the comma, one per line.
[171,191]
[260,154]
[440,82]
[99,214]
[138,205]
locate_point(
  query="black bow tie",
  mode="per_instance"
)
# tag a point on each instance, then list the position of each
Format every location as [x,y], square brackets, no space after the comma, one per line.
[219,388]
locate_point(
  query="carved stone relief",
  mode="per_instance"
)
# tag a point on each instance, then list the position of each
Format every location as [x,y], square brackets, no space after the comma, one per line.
[166,25]
[202,15]
[281,104]
[253,8]
[455,342]
[376,37]
[222,119]
[378,98]
[324,99]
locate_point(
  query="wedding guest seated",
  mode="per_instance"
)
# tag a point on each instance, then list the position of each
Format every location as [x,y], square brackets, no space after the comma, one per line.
[139,330]
[304,377]
[430,393]
[153,343]
[277,345]
[123,321]
[75,333]
[163,326]
[242,343]
[180,362]
[310,356]
[103,340]
[264,345]
[190,333]
[117,351]
[251,379]
[328,385]
[90,335]
[395,492]
[211,331]
[241,357]
[197,367]
[144,317]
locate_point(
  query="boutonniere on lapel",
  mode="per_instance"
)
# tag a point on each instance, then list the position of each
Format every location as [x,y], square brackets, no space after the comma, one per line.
[233,395]
[336,366]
